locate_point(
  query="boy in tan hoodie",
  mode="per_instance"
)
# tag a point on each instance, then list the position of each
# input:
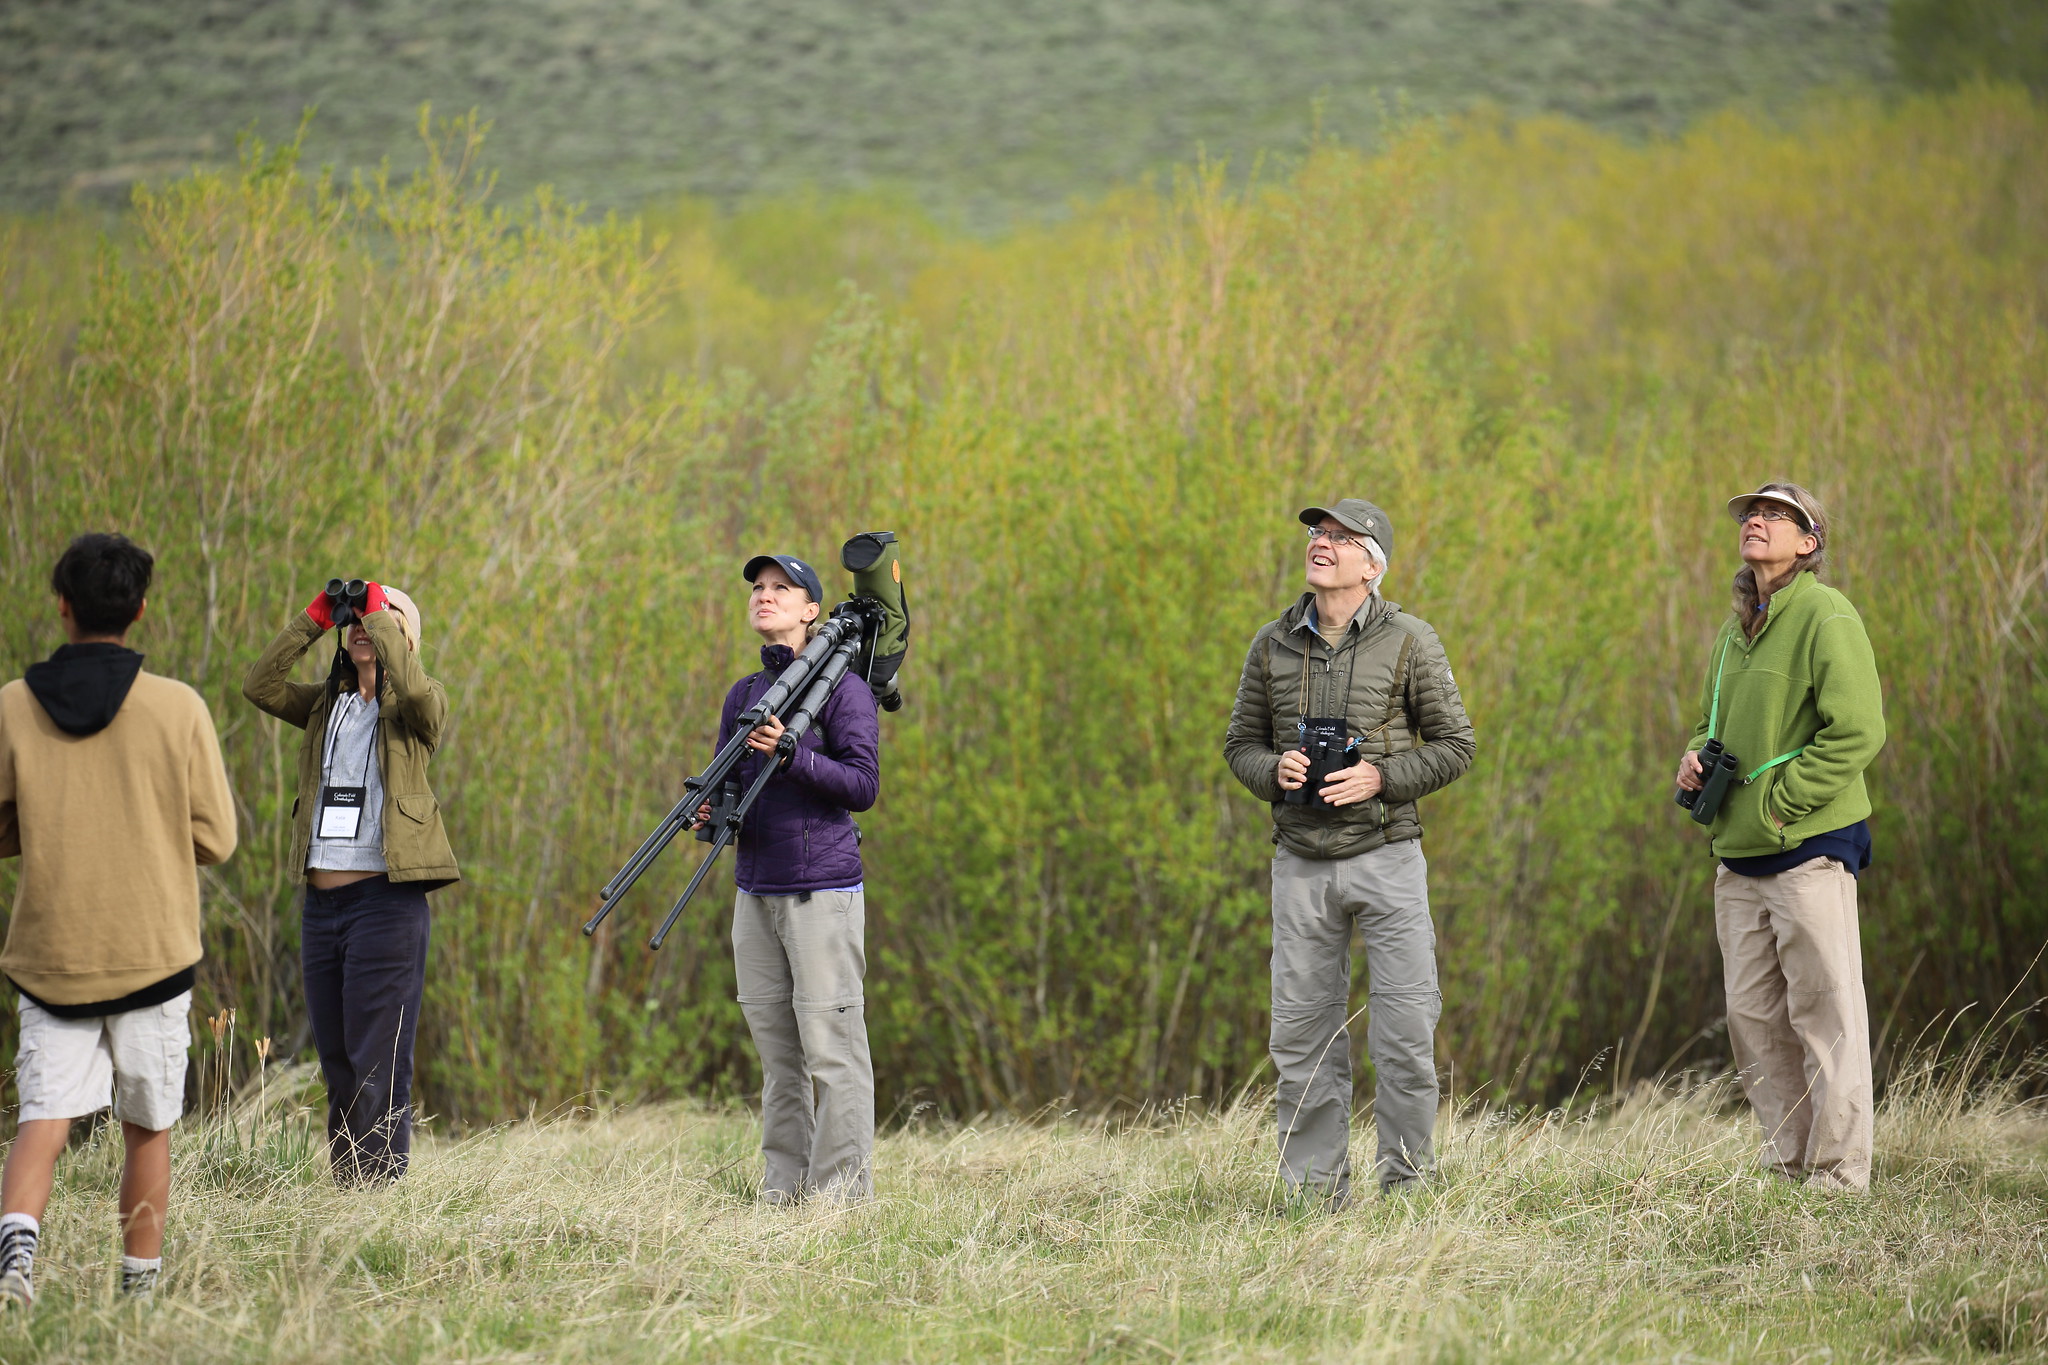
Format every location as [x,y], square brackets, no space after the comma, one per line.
[113,794]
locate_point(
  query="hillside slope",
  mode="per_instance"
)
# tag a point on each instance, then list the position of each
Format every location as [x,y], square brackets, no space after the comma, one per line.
[984,107]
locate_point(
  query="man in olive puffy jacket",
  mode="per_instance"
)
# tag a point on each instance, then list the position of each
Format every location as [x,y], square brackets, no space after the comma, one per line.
[1791,692]
[1346,715]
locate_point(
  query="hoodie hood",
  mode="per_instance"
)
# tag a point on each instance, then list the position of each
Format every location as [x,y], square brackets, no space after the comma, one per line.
[82,686]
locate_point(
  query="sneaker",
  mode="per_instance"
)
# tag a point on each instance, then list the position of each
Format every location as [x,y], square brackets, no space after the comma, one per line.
[139,1286]
[17,1290]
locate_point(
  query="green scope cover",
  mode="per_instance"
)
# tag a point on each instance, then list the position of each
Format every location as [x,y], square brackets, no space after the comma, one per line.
[871,558]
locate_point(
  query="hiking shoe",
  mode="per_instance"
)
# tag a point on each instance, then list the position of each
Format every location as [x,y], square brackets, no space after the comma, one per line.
[17,1290]
[139,1286]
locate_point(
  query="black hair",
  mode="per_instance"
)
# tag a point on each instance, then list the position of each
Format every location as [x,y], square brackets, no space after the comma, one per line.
[104,576]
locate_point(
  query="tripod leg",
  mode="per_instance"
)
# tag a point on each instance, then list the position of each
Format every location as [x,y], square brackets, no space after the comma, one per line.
[725,837]
[825,678]
[610,897]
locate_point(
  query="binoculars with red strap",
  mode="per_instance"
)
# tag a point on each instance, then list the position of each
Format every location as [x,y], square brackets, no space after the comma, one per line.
[346,600]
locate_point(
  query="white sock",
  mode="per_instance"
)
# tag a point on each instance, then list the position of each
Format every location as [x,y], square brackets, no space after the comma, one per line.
[19,1233]
[139,1275]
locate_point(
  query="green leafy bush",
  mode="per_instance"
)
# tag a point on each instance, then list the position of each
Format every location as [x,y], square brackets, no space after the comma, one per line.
[1550,353]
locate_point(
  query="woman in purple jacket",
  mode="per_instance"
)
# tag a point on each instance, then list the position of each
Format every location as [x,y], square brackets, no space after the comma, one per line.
[799,916]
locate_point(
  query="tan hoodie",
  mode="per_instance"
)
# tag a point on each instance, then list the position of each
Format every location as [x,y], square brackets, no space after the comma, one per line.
[111,828]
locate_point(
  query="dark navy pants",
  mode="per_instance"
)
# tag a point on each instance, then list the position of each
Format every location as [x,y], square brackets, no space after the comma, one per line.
[364,948]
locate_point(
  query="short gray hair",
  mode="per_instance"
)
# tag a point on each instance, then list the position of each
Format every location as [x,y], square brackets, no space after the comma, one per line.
[1378,556]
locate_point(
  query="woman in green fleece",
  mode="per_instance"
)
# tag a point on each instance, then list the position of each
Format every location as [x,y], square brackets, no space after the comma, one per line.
[1791,690]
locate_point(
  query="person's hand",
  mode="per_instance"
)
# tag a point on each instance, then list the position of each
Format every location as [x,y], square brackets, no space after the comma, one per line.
[1691,777]
[373,598]
[1349,786]
[1293,769]
[703,816]
[763,738]
[321,610]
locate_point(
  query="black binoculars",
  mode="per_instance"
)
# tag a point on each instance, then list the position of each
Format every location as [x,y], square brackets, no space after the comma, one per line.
[345,601]
[1717,772]
[722,806]
[1329,751]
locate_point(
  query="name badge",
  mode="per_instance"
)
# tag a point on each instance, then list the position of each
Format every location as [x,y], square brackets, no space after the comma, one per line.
[341,812]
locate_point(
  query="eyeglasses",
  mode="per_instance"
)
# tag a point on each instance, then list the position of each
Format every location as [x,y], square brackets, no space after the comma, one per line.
[1771,511]
[1338,539]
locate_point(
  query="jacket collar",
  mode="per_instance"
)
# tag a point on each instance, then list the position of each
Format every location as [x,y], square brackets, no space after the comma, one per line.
[777,657]
[1781,601]
[1300,619]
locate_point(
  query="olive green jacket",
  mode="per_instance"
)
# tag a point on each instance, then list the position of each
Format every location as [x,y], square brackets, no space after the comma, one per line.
[1804,691]
[412,709]
[1390,681]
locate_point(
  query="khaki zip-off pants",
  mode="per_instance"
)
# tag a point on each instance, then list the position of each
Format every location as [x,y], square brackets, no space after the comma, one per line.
[1796,1017]
[1316,903]
[801,963]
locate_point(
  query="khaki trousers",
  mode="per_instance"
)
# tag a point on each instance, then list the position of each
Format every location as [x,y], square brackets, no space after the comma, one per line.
[1383,896]
[801,963]
[1797,1020]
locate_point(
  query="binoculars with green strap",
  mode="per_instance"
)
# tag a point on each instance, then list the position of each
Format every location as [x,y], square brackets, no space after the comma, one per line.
[1717,773]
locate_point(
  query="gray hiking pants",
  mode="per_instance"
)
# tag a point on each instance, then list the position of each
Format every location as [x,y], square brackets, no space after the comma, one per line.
[801,963]
[1385,893]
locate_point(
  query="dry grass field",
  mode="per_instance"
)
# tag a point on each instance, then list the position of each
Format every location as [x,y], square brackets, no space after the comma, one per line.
[1636,1231]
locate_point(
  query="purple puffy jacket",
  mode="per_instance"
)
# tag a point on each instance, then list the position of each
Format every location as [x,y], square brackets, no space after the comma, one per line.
[800,835]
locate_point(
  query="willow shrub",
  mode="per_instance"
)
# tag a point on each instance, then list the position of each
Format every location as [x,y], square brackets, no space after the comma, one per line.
[1551,355]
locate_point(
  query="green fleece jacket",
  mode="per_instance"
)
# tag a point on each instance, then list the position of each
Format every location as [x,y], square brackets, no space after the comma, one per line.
[1807,682]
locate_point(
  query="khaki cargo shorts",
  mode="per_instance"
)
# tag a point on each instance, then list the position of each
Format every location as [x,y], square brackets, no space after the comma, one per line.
[135,1060]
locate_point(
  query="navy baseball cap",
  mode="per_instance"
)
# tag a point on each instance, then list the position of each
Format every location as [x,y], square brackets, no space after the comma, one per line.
[800,573]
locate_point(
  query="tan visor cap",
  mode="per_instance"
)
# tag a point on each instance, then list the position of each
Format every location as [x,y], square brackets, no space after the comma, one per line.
[1738,506]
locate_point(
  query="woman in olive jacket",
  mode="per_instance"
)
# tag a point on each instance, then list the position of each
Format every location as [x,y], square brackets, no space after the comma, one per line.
[368,840]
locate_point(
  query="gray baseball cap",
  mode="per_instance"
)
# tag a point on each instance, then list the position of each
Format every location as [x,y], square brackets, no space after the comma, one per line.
[1357,514]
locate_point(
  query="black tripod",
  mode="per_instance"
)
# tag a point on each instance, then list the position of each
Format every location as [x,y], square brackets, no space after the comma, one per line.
[851,628]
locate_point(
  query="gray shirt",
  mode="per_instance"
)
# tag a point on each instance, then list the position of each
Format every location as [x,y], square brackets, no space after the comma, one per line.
[349,759]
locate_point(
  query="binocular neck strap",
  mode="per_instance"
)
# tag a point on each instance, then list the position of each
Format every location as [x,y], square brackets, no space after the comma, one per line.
[1350,676]
[1714,712]
[1781,758]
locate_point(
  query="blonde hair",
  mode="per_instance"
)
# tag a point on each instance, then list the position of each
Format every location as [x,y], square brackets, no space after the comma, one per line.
[408,616]
[1747,591]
